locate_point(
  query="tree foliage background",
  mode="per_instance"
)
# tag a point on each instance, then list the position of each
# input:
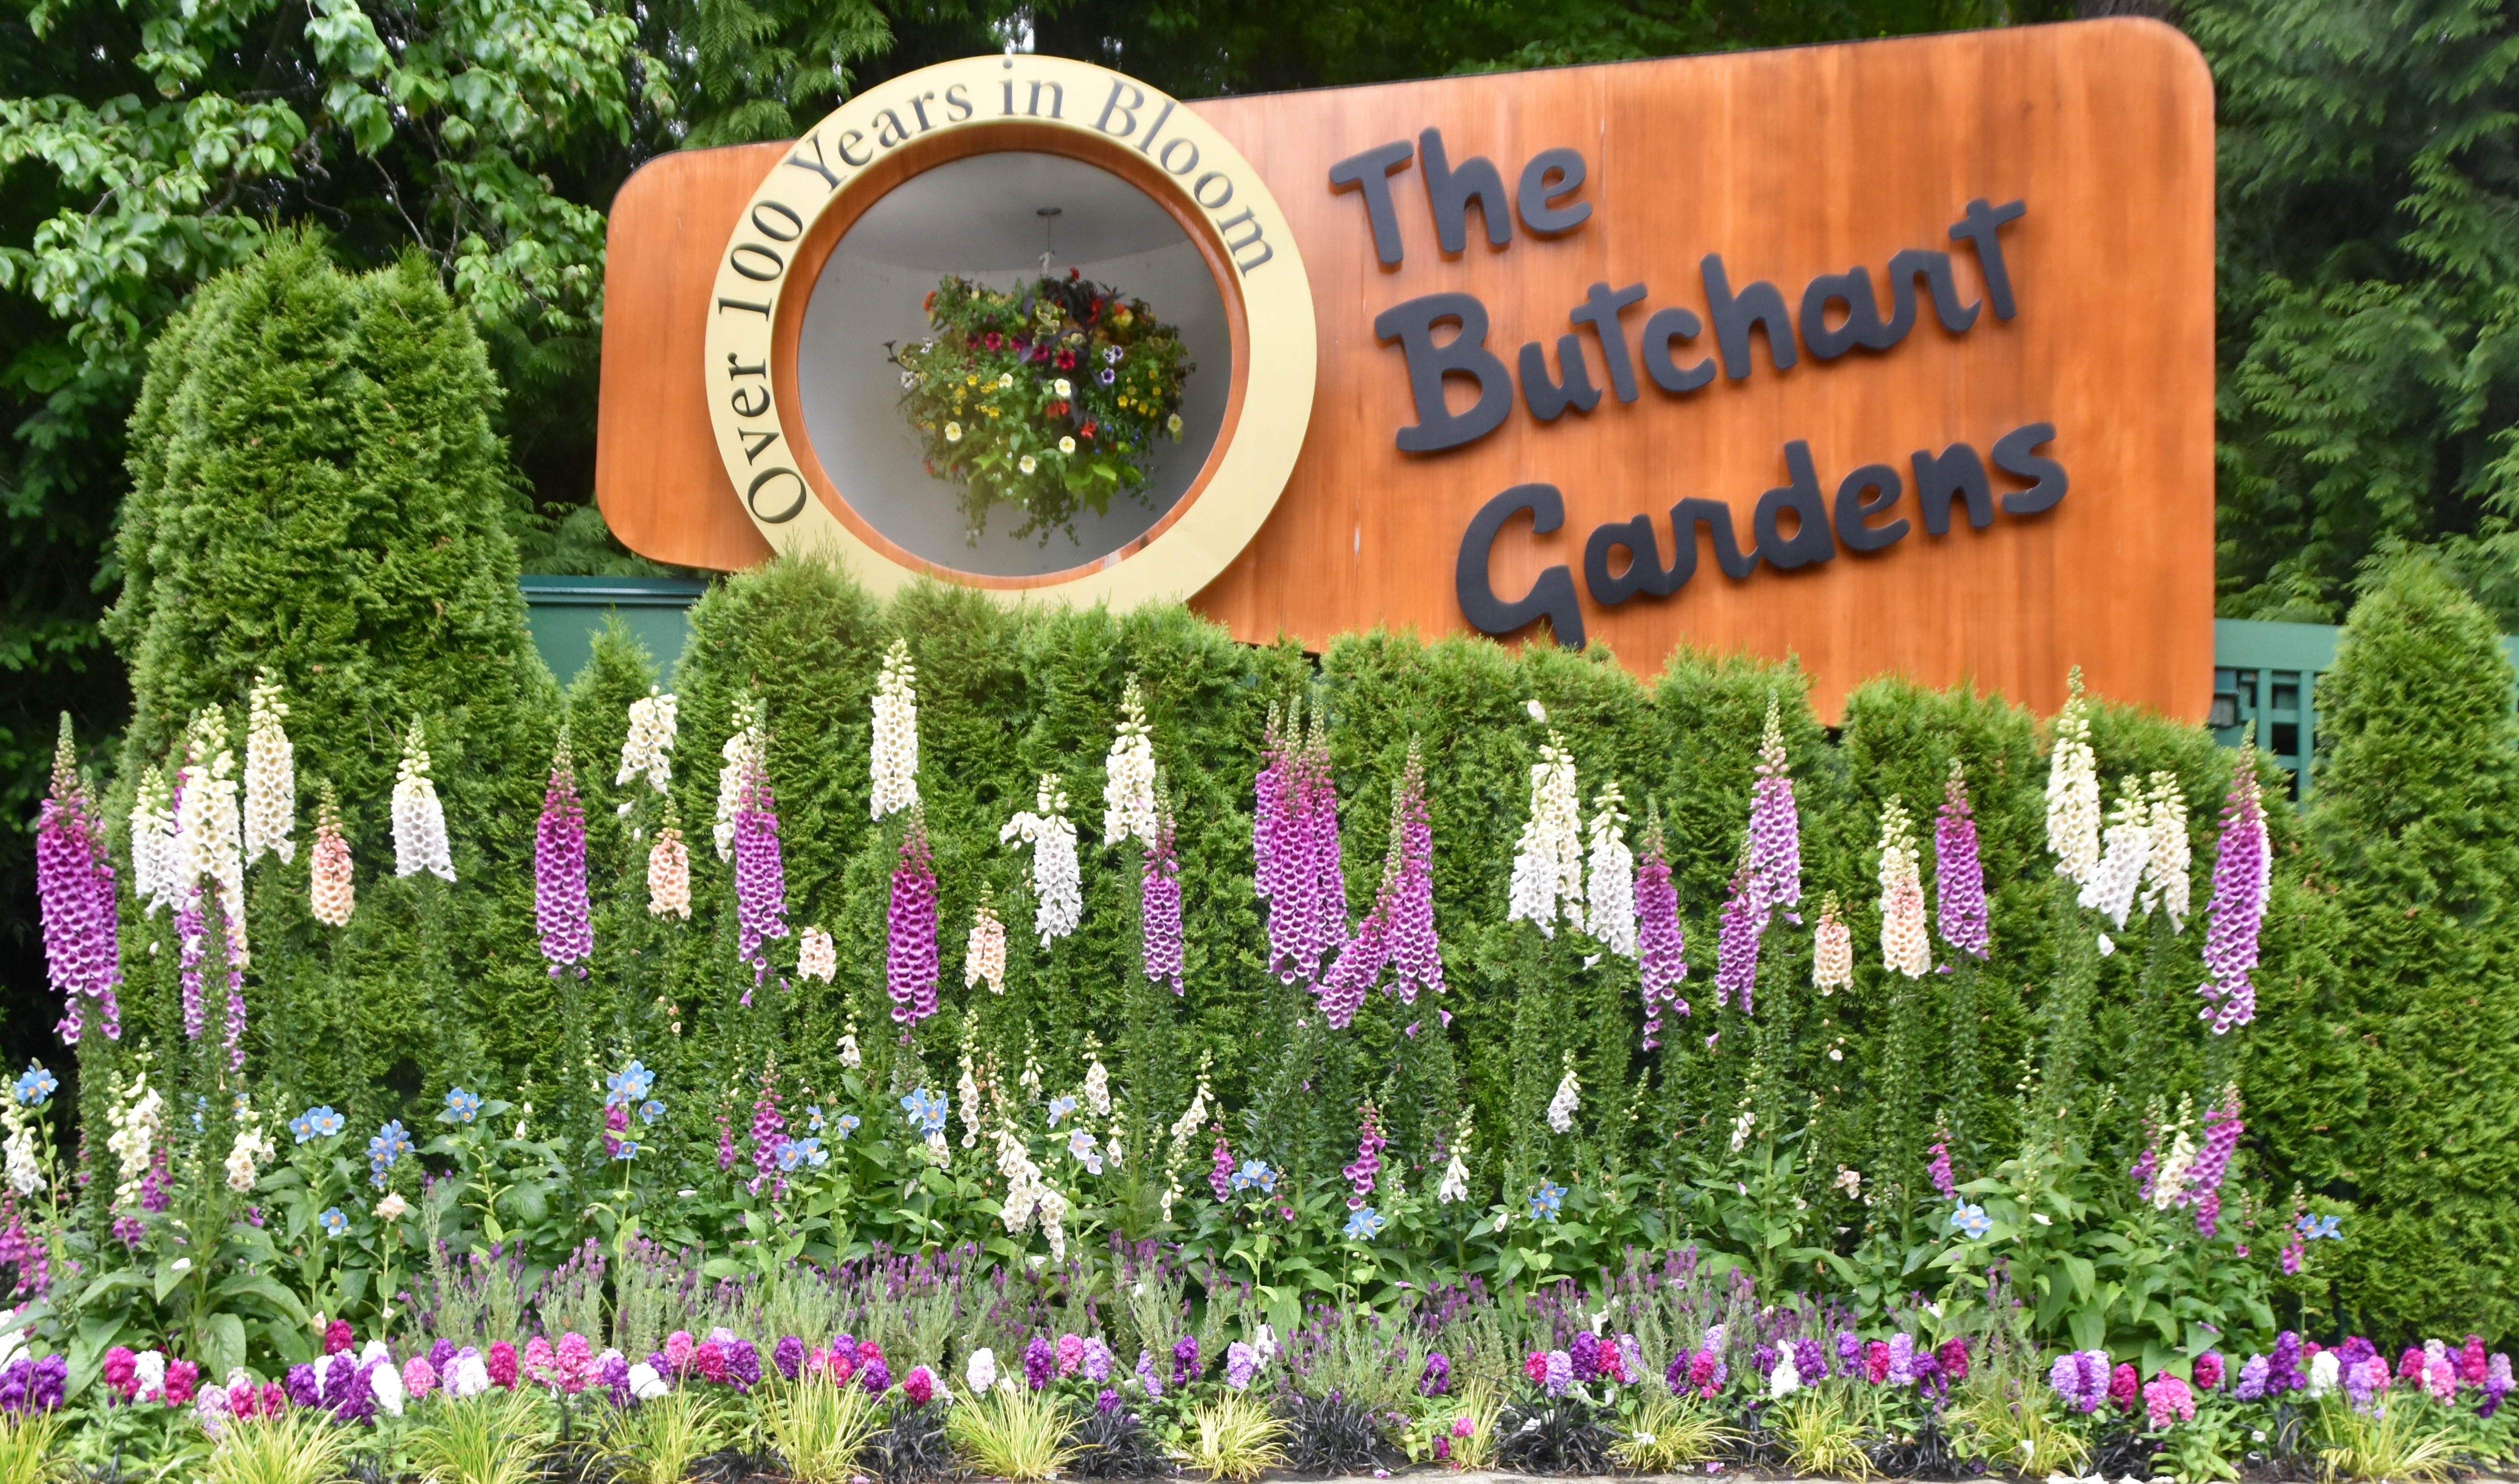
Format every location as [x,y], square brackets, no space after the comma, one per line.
[2368,237]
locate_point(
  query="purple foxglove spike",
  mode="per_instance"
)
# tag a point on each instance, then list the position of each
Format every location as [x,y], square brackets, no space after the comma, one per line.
[2241,867]
[760,874]
[909,936]
[1959,875]
[560,907]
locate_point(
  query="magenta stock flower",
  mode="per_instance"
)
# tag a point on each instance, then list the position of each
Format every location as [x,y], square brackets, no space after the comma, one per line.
[1959,875]
[760,875]
[2240,870]
[560,909]
[909,943]
[1661,950]
[1158,907]
[74,891]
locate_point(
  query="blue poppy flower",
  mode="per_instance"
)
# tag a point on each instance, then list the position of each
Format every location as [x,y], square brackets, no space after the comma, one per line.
[1060,1108]
[1547,1200]
[316,1124]
[1362,1223]
[1254,1174]
[1972,1222]
[35,1085]
[814,1116]
[463,1107]
[628,1086]
[334,1224]
[926,1110]
[1082,1144]
[626,1149]
[390,1144]
[650,1111]
[848,1124]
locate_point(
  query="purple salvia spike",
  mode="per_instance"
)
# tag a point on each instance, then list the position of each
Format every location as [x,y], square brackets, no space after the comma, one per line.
[561,906]
[1661,951]
[1959,875]
[1158,907]
[909,941]
[2241,866]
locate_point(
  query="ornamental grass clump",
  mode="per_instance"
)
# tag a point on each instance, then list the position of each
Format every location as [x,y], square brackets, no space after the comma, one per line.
[1011,1431]
[1235,1437]
[820,1426]
[300,1447]
[495,1437]
[1048,398]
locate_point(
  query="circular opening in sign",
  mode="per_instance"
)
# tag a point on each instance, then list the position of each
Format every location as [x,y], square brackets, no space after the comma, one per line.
[987,220]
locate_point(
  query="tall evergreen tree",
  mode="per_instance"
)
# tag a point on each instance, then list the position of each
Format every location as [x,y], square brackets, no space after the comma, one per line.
[317,492]
[2419,815]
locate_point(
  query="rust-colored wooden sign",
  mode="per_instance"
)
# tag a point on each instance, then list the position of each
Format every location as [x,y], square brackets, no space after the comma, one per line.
[1894,356]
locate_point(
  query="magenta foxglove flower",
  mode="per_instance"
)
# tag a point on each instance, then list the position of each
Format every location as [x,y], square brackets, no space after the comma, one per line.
[2223,1126]
[1775,829]
[1407,901]
[74,891]
[1158,907]
[560,908]
[1736,943]
[192,929]
[909,943]
[2242,865]
[1940,1170]
[1661,950]
[1369,1145]
[1297,840]
[760,874]
[768,1128]
[1959,875]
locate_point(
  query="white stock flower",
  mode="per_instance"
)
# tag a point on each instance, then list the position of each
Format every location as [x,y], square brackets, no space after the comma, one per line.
[468,1375]
[982,1370]
[894,761]
[1612,883]
[984,955]
[648,747]
[2324,1372]
[747,744]
[2110,888]
[1548,860]
[270,774]
[645,1385]
[2164,870]
[387,1383]
[1058,883]
[419,820]
[1128,787]
[1785,1378]
[1905,946]
[2073,791]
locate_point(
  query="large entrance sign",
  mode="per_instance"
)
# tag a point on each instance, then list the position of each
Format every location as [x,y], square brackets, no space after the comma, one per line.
[1894,356]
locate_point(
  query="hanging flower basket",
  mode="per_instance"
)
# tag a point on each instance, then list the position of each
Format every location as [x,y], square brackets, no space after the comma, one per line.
[1047,398]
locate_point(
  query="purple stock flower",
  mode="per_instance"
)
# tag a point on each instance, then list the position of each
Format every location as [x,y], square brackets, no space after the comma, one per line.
[1159,907]
[1559,1373]
[1675,1375]
[1241,1365]
[1959,875]
[910,951]
[742,1363]
[1186,1360]
[2242,864]
[1583,1353]
[560,909]
[2283,1368]
[1809,1359]
[788,1355]
[612,1375]
[48,1386]
[1106,1402]
[301,1386]
[1095,1366]
[349,1392]
[760,874]
[876,1375]
[439,1354]
[1902,1359]
[1147,1377]
[74,892]
[1661,949]
[2252,1379]
[1039,1363]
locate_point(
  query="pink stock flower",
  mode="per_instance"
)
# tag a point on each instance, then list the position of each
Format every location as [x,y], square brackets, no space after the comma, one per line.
[572,1363]
[419,1379]
[2168,1401]
[539,1360]
[679,1351]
